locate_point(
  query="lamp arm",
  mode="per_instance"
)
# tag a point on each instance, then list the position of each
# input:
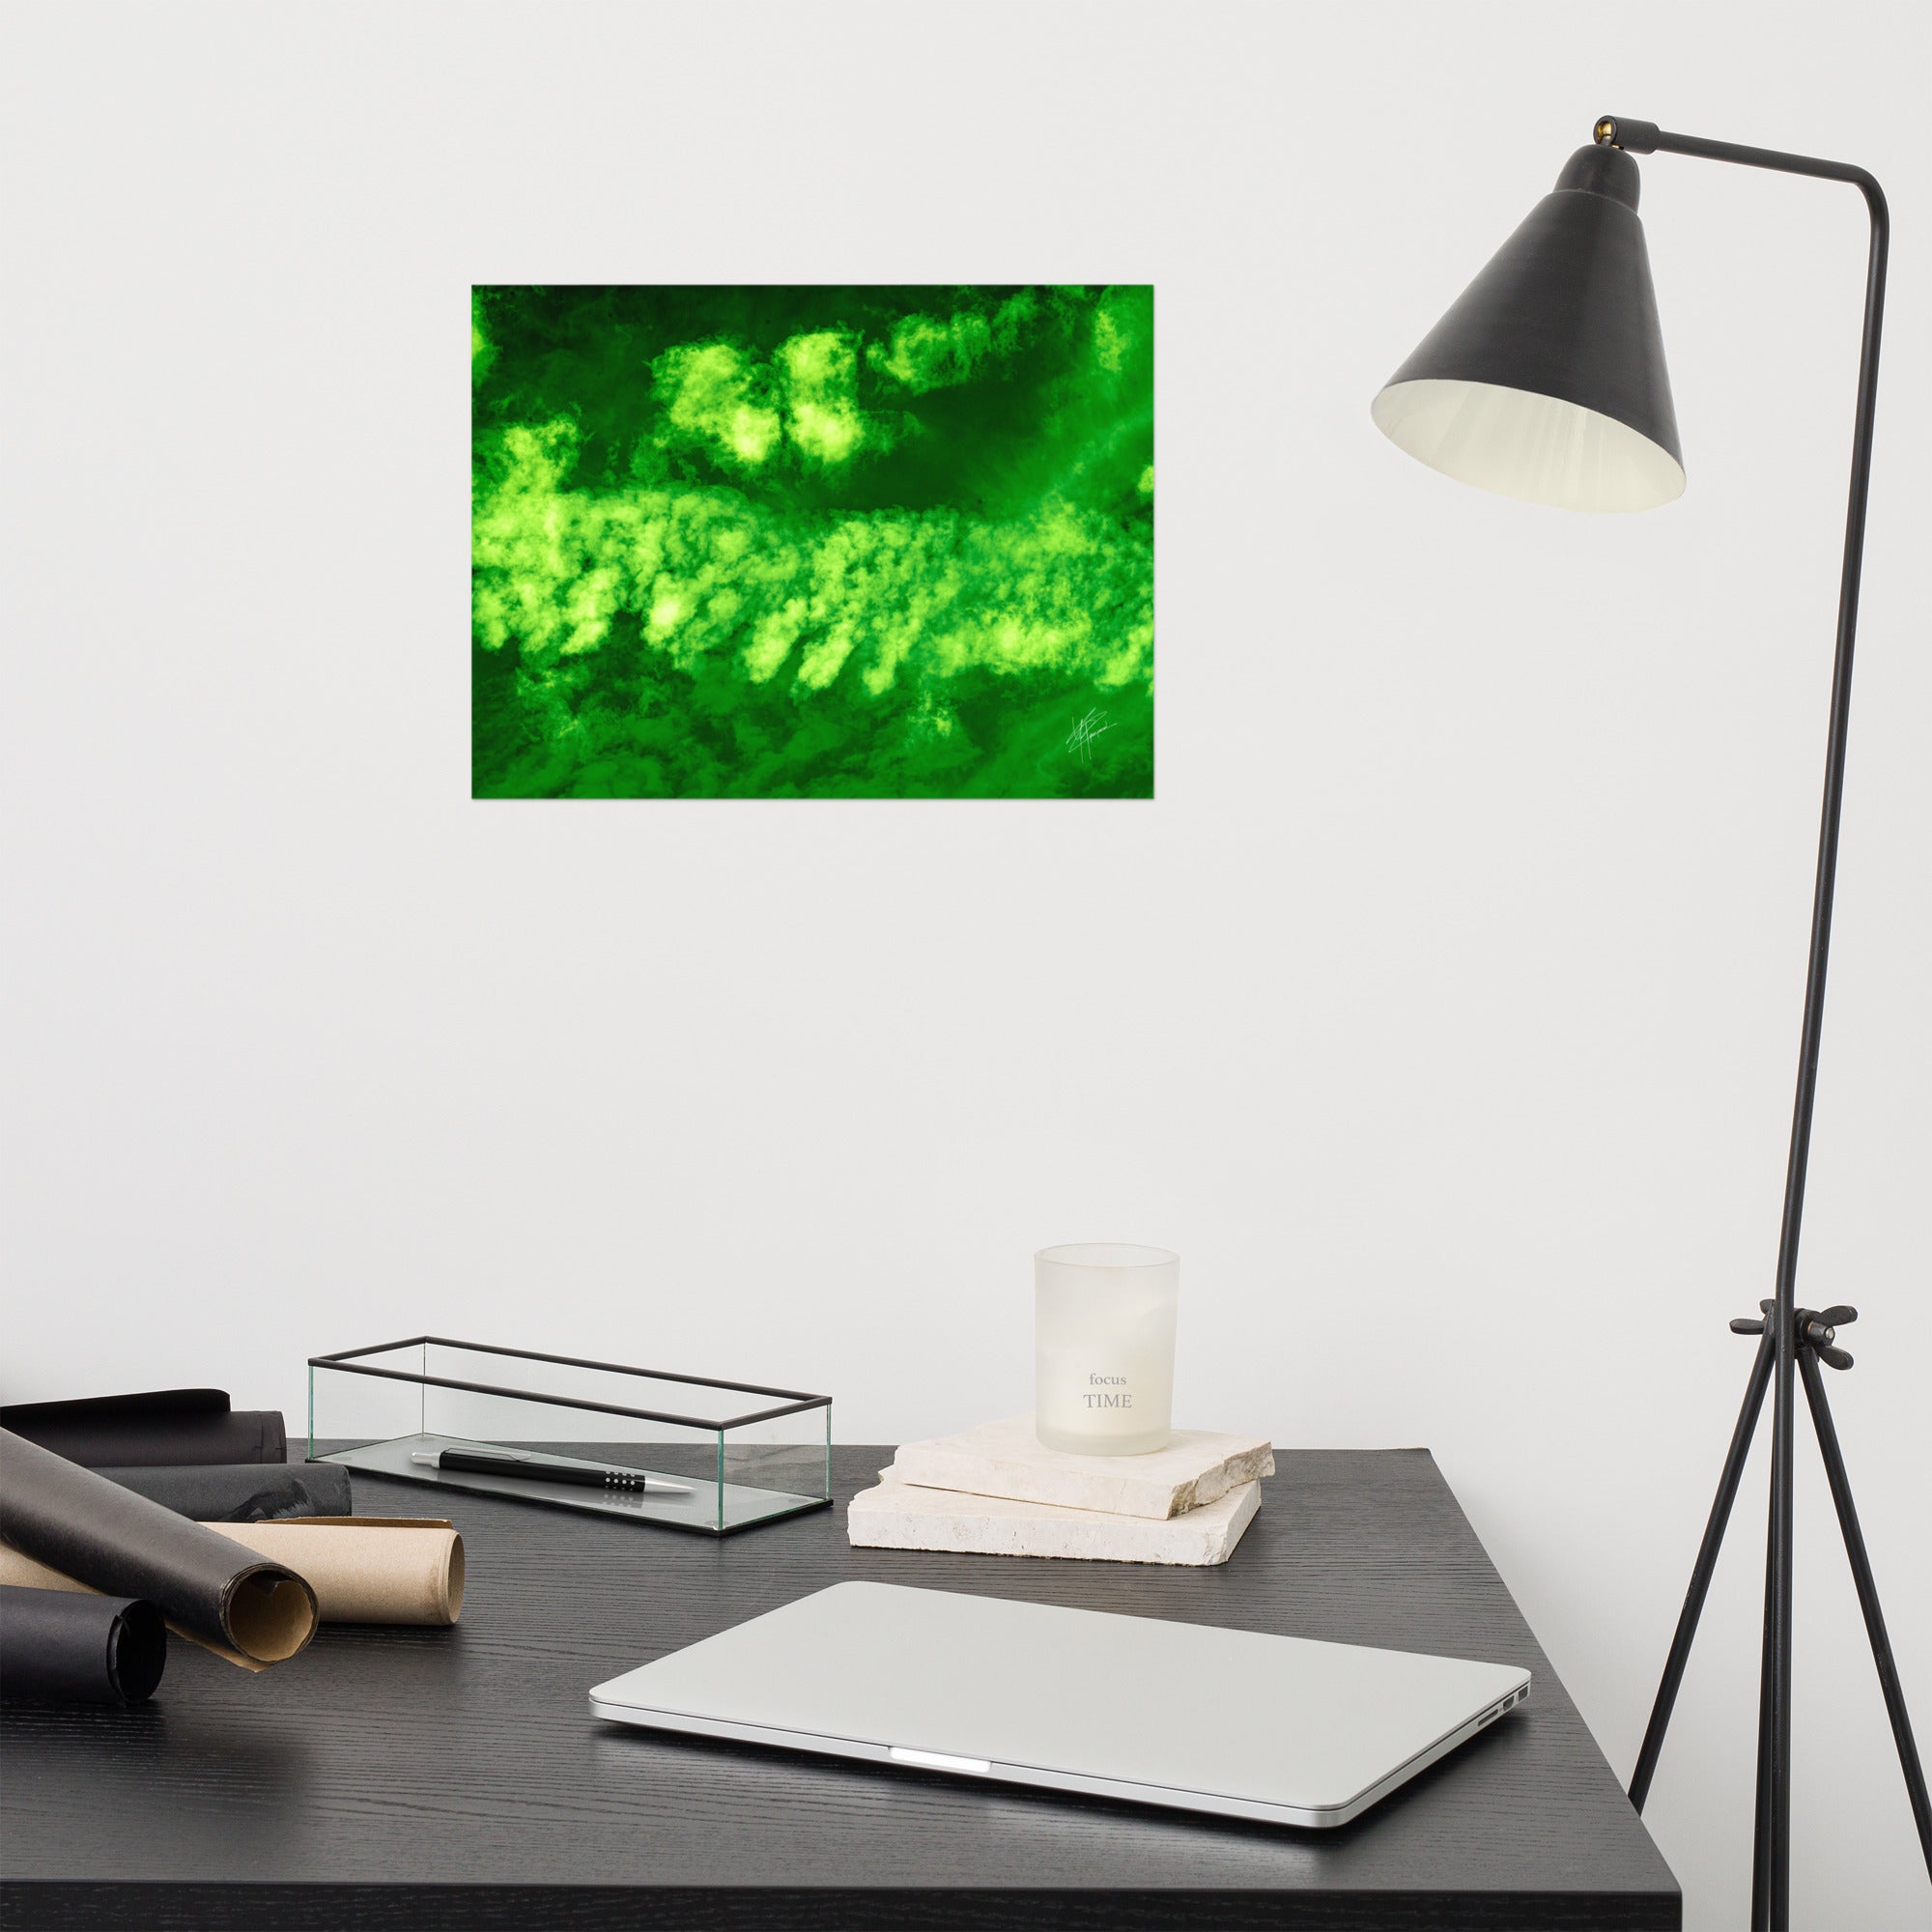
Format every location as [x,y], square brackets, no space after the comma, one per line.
[1771,1905]
[1646,137]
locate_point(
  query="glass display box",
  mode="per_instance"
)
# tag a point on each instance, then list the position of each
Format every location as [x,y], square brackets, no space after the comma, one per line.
[683,1452]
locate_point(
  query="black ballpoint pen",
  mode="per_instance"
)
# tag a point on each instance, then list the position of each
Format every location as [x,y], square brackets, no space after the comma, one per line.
[530,1468]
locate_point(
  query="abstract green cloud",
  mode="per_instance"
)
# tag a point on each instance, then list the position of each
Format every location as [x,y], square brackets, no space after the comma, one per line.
[812,542]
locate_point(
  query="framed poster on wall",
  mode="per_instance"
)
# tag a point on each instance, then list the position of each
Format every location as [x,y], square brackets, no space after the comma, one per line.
[812,542]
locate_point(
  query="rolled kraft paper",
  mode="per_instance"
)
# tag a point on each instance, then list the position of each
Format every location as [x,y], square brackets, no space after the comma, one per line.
[363,1570]
[19,1571]
[105,1538]
[242,1491]
[160,1426]
[367,1570]
[79,1649]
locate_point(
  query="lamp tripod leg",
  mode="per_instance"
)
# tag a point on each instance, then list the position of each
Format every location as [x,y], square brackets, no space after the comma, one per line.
[1867,1588]
[1780,1567]
[1701,1573]
[1812,1336]
[1762,1825]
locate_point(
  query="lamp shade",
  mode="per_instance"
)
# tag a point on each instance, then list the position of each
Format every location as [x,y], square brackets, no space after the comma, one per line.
[1545,381]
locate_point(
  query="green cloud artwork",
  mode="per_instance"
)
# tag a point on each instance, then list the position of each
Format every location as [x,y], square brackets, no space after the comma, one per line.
[757,542]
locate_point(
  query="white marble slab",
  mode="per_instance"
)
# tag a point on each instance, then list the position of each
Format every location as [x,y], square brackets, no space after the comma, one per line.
[902,1515]
[1007,1459]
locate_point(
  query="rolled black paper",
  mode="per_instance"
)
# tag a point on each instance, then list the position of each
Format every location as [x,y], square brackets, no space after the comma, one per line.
[162,1425]
[80,1649]
[117,1543]
[242,1491]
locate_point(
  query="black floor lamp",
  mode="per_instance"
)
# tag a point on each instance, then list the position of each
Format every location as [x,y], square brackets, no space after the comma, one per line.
[1547,382]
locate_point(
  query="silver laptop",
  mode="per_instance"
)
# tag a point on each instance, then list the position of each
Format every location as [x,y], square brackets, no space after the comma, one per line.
[1279,1728]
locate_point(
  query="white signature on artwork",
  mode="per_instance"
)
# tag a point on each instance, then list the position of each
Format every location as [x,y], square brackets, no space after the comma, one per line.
[1087,730]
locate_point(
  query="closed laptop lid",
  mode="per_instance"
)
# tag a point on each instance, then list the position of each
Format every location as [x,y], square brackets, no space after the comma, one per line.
[1279,1721]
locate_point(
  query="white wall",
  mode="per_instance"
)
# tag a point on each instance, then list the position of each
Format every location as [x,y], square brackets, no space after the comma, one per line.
[1441,1012]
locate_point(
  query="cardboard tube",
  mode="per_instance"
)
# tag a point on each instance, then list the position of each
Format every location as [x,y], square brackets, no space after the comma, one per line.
[363,1569]
[88,1533]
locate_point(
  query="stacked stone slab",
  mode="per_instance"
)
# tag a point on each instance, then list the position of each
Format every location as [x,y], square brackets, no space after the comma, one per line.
[997,1491]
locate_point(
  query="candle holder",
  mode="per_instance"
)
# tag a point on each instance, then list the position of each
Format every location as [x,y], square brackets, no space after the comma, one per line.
[1103,1347]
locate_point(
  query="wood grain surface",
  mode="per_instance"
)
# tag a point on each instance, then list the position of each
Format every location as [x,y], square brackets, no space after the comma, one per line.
[429,1778]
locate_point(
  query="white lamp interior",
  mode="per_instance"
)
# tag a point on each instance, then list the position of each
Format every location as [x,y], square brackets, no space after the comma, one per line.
[1523,444]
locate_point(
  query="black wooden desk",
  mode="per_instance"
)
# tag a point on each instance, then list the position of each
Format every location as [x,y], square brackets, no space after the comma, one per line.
[432,1779]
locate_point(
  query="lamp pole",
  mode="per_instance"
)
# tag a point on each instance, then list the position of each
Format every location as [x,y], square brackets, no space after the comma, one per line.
[1794,1343]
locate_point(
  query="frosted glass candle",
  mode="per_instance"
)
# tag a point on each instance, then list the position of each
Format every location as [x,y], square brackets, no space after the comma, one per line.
[1103,1347]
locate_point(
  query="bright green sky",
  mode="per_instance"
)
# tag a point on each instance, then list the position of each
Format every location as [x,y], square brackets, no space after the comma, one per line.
[812,542]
